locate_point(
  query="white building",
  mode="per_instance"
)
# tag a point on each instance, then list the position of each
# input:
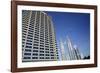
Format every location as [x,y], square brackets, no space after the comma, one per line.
[38,37]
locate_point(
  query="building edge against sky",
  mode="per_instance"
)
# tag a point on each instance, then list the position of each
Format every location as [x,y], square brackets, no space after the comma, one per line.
[70,51]
[38,37]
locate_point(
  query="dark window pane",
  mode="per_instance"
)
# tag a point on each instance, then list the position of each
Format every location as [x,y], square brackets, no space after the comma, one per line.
[27,53]
[26,57]
[52,57]
[34,57]
[35,54]
[47,58]
[29,38]
[41,57]
[47,54]
[29,43]
[41,51]
[41,54]
[35,50]
[35,47]
[28,50]
[28,46]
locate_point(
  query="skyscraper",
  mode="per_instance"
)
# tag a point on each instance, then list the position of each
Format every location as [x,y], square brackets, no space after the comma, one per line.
[62,47]
[38,37]
[73,51]
[70,49]
[77,52]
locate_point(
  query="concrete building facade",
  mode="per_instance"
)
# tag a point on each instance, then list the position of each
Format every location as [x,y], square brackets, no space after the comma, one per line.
[38,37]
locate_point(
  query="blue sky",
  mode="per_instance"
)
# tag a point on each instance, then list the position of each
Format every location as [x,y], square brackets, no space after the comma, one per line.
[74,25]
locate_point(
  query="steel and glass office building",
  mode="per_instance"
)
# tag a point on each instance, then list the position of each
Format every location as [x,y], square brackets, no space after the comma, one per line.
[38,37]
[73,51]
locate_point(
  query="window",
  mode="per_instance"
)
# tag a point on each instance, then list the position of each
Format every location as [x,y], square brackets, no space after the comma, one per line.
[23,39]
[52,54]
[46,39]
[41,54]
[23,36]
[46,54]
[30,30]
[30,33]
[41,57]
[36,39]
[41,40]
[35,44]
[57,53]
[41,45]
[51,49]
[29,41]
[31,23]
[24,29]
[35,47]
[41,32]
[34,57]
[47,58]
[28,46]
[47,46]
[26,57]
[35,54]
[41,51]
[28,50]
[23,42]
[52,57]
[37,26]
[23,33]
[29,38]
[36,35]
[46,42]
[35,50]
[27,53]
[41,35]
[46,51]
[22,45]
[42,48]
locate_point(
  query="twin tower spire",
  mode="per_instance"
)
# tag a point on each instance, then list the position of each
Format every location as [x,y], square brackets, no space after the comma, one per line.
[69,51]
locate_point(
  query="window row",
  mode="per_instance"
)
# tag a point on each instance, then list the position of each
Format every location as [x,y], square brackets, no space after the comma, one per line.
[36,54]
[40,58]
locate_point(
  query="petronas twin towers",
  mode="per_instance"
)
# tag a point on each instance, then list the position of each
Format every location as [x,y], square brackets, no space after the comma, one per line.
[73,52]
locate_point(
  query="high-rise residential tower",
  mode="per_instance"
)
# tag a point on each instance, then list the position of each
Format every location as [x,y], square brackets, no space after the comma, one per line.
[38,37]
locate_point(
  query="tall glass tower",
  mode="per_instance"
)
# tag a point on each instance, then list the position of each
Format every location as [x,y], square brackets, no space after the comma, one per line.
[38,37]
[73,51]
